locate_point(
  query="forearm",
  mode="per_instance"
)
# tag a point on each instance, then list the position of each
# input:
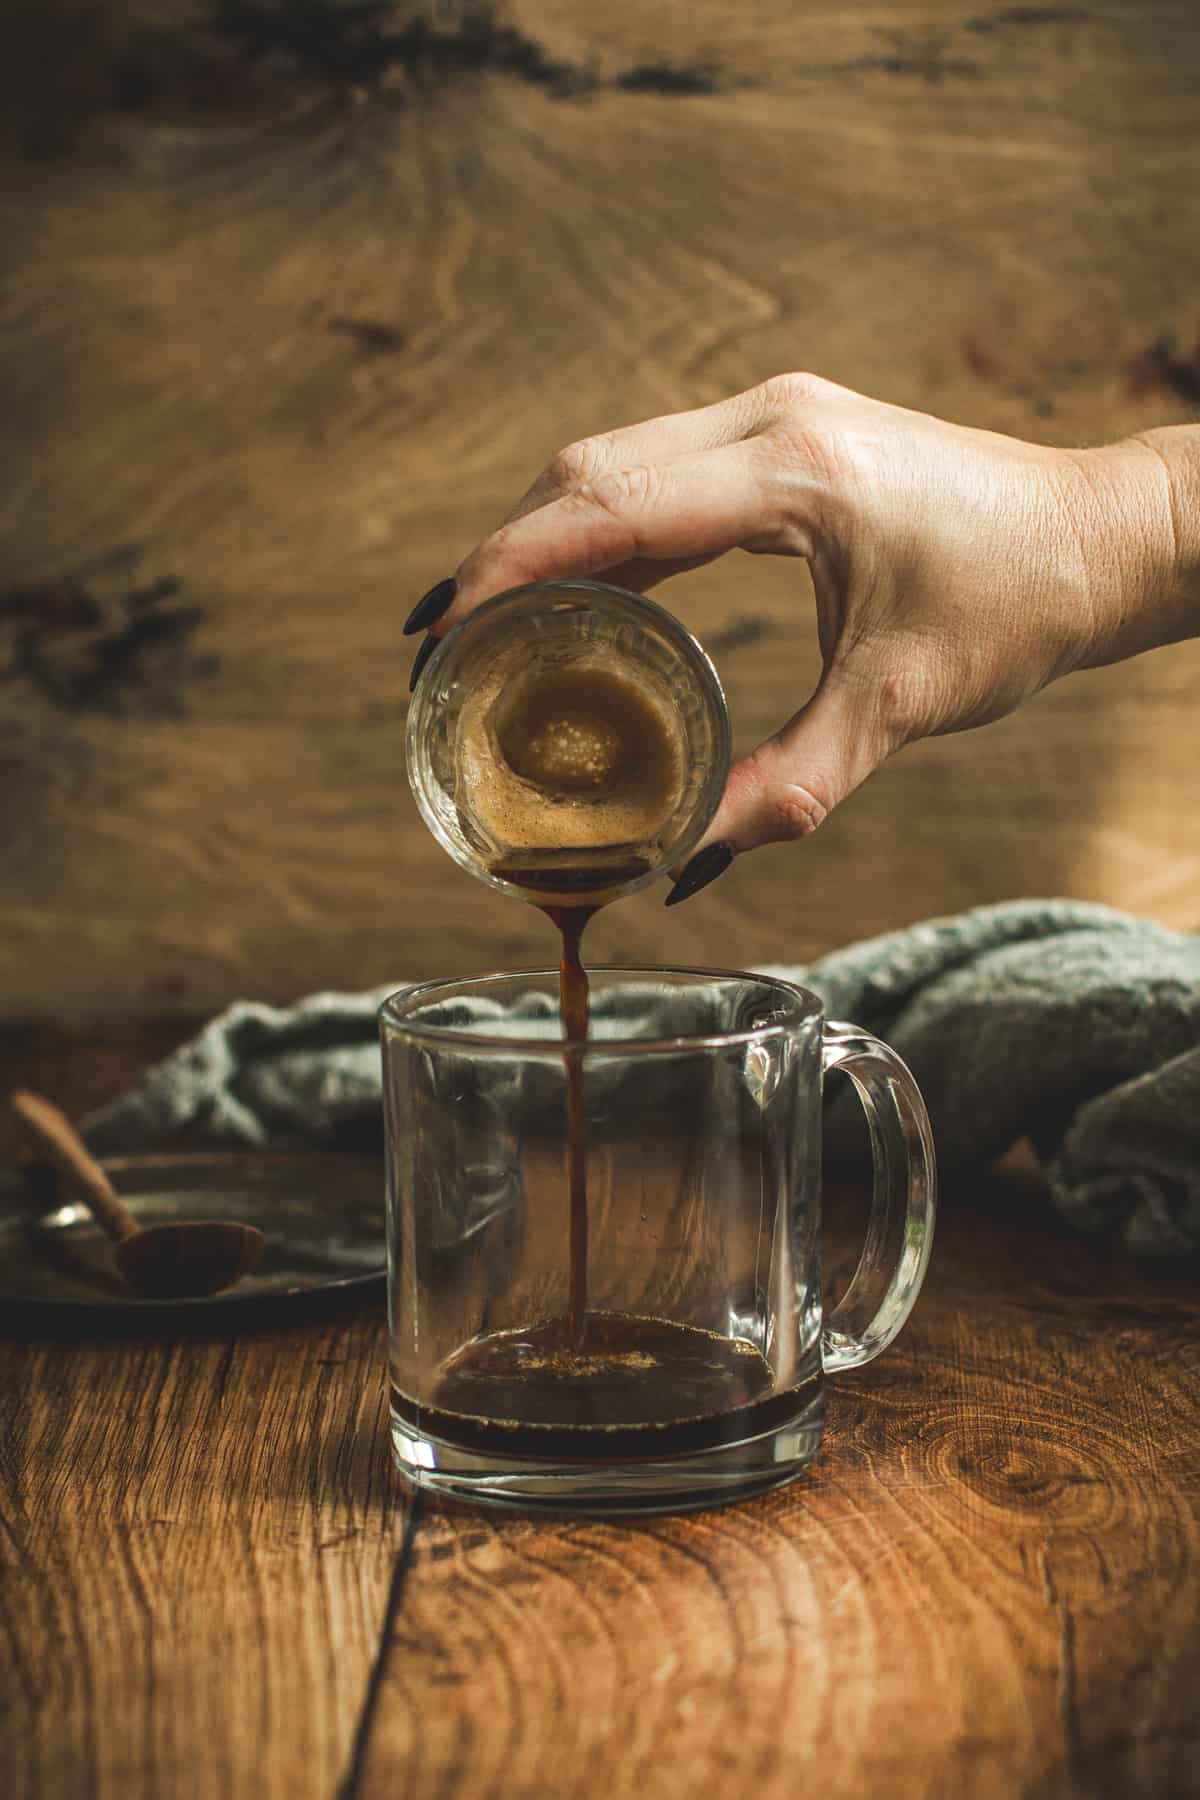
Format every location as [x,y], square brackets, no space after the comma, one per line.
[1145,538]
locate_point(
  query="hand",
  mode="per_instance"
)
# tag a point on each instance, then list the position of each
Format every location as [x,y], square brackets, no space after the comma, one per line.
[956,572]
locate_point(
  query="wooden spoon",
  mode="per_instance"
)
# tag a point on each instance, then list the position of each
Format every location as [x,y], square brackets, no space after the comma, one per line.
[164,1262]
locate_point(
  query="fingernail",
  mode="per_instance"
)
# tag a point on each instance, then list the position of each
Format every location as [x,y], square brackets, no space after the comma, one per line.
[420,659]
[712,861]
[431,606]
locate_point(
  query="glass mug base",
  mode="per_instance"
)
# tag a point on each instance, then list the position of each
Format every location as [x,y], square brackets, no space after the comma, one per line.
[624,1469]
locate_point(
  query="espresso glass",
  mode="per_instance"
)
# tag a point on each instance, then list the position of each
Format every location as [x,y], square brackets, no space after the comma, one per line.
[543,630]
[693,1373]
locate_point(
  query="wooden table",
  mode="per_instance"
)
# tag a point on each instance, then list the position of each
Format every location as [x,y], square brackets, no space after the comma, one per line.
[989,1584]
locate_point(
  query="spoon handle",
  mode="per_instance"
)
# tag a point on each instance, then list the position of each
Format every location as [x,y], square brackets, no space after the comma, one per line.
[50,1132]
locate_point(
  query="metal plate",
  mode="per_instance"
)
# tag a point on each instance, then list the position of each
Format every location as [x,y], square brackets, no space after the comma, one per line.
[320,1213]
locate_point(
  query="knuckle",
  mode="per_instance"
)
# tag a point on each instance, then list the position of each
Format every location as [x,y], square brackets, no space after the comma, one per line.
[814,451]
[786,809]
[500,542]
[792,389]
[804,438]
[796,812]
[621,491]
[905,704]
[500,554]
[576,464]
[896,695]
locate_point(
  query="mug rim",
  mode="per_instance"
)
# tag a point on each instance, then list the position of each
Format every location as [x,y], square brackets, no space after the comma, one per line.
[392,1017]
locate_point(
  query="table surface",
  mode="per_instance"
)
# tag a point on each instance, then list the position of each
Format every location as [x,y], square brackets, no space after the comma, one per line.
[989,1584]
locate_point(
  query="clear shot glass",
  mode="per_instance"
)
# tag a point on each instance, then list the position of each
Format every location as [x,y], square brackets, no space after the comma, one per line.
[638,733]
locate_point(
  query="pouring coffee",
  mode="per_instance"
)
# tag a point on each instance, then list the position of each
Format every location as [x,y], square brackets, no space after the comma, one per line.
[604,1266]
[569,742]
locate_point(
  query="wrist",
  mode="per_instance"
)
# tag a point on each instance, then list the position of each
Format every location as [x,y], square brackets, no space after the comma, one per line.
[1140,524]
[1176,450]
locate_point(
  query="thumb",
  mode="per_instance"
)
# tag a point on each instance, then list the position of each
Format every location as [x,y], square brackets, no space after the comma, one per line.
[788,786]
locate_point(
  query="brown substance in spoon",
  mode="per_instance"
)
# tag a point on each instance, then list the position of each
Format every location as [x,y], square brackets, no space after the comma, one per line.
[183,1260]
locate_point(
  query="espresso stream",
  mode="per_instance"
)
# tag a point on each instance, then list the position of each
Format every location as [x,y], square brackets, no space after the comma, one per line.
[573,999]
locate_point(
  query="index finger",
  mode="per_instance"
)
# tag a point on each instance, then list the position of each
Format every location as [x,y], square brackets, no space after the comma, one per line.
[692,507]
[659,439]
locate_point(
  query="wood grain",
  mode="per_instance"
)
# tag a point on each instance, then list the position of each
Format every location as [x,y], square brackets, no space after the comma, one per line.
[198,1541]
[989,1584]
[284,335]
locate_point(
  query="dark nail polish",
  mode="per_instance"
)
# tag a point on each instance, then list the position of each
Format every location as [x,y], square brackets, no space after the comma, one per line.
[431,606]
[420,659]
[712,861]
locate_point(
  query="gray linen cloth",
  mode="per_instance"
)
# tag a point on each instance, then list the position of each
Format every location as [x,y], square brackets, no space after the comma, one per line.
[1071,1025]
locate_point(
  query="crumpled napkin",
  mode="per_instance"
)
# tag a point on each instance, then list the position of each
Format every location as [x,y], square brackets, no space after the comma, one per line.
[1072,1025]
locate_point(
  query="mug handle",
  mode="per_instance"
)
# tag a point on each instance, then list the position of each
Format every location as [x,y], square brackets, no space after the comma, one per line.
[900,1229]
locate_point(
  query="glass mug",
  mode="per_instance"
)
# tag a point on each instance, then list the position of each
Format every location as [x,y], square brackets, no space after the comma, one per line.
[693,1373]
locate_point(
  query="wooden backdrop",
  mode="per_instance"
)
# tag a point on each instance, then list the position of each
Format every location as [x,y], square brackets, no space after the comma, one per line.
[298,296]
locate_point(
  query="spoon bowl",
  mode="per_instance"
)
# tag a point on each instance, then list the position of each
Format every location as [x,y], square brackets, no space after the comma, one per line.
[190,1259]
[183,1260]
